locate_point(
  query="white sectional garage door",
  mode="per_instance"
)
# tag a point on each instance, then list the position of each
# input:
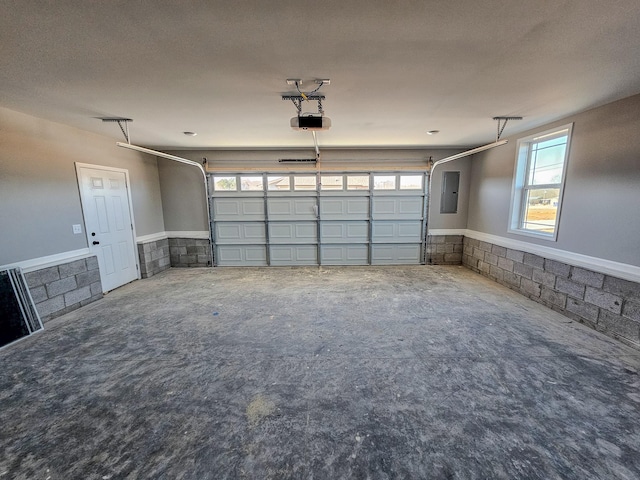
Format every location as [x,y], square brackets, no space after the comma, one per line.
[318,219]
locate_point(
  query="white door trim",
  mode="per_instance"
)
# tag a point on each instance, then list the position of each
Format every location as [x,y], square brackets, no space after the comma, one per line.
[78,166]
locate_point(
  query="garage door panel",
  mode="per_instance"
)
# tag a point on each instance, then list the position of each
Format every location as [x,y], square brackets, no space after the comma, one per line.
[295,208]
[397,208]
[294,255]
[237,232]
[238,209]
[395,254]
[344,254]
[241,255]
[397,232]
[293,232]
[308,227]
[342,208]
[344,232]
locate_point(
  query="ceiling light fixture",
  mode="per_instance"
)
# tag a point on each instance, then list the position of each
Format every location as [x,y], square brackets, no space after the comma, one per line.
[433,132]
[190,134]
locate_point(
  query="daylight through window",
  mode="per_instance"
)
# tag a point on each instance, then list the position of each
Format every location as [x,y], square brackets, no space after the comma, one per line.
[538,182]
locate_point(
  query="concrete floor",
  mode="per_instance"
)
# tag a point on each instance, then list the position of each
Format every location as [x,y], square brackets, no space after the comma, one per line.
[318,373]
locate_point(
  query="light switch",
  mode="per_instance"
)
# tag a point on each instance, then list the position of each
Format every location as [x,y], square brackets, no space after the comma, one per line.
[77,229]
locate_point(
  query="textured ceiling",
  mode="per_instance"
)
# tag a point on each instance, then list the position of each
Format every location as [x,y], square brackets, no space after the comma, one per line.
[397,69]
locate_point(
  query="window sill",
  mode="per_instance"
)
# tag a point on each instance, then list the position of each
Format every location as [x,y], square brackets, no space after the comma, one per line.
[529,233]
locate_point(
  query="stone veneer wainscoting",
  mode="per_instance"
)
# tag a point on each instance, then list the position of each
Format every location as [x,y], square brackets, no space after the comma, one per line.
[154,257]
[189,252]
[60,289]
[604,302]
[444,249]
[158,255]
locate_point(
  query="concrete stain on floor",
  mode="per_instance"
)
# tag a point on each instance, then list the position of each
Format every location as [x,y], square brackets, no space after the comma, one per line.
[258,409]
[318,373]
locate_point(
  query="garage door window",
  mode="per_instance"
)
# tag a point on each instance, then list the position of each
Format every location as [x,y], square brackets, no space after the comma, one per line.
[331,182]
[410,182]
[357,182]
[279,183]
[304,183]
[384,182]
[224,183]
[251,184]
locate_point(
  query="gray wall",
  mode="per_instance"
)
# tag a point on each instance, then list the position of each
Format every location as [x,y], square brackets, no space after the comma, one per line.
[599,215]
[184,202]
[183,196]
[39,198]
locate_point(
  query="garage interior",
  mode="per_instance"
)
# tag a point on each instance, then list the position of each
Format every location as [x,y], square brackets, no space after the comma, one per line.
[320,241]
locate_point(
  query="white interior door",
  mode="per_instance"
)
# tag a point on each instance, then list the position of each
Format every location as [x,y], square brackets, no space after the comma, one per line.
[108,224]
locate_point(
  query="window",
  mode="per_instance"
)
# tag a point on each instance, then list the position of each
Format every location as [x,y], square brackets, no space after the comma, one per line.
[331,182]
[224,183]
[384,182]
[279,183]
[538,183]
[357,182]
[410,182]
[251,183]
[304,183]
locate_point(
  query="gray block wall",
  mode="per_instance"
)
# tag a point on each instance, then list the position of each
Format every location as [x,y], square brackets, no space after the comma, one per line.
[190,252]
[154,257]
[603,302]
[444,249]
[63,288]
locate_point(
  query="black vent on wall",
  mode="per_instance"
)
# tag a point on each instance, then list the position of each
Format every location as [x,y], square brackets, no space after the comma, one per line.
[18,316]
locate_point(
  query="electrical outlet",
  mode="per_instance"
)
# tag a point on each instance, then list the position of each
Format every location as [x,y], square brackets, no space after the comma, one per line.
[77,229]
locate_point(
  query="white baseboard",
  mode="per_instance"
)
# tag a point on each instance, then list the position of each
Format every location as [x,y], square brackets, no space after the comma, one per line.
[154,237]
[198,234]
[39,263]
[601,265]
[447,231]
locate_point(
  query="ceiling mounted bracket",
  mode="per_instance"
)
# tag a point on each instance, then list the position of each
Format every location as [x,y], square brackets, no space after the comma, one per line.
[298,99]
[505,120]
[123,123]
[306,96]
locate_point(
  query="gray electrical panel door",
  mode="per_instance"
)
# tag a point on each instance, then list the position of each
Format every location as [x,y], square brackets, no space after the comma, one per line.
[449,198]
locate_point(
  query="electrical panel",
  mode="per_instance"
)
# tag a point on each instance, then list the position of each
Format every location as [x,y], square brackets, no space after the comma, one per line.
[449,197]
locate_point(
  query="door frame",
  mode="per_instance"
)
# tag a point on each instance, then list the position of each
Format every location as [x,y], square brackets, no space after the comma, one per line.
[78,166]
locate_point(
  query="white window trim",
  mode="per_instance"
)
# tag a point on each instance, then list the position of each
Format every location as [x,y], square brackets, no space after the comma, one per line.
[519,176]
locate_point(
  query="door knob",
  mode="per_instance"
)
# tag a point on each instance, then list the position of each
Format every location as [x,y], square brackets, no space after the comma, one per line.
[96,243]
